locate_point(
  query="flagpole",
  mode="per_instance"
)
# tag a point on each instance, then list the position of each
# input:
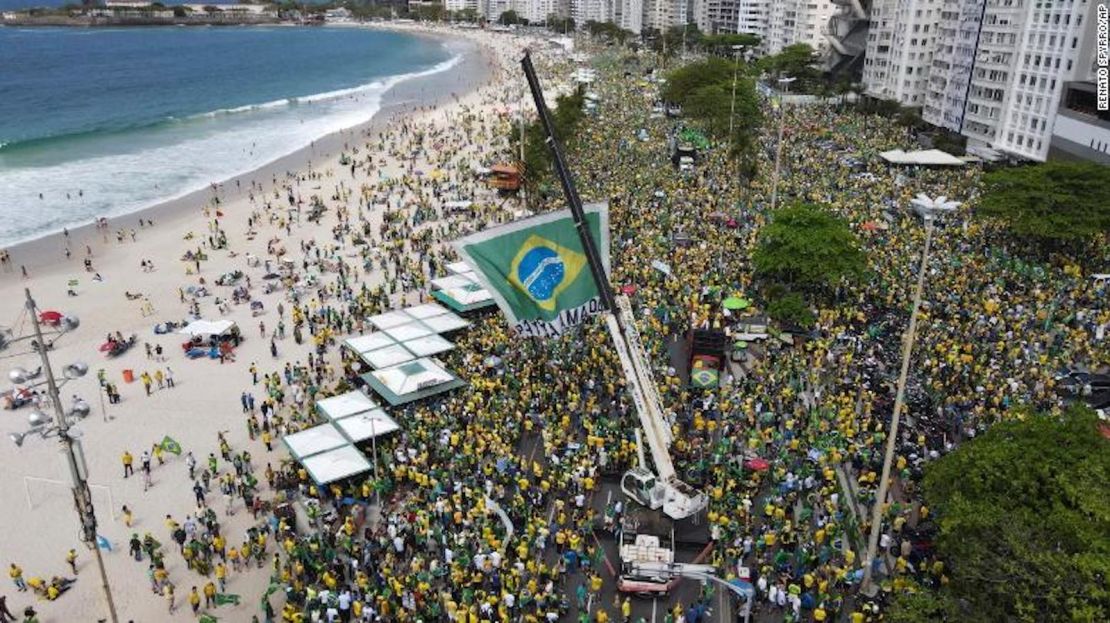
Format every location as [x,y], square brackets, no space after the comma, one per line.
[566,179]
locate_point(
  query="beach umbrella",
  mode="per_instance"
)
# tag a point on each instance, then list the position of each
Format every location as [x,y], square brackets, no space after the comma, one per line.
[735,302]
[740,345]
[628,289]
[50,317]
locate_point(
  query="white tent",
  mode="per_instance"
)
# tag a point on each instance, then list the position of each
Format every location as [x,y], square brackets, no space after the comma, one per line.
[336,464]
[390,319]
[445,323]
[458,268]
[388,356]
[469,296]
[409,331]
[428,345]
[367,343]
[345,405]
[426,310]
[413,376]
[314,441]
[931,157]
[208,327]
[453,281]
[364,426]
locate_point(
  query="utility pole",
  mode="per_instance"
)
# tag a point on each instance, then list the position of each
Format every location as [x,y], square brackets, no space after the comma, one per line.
[928,209]
[778,147]
[82,497]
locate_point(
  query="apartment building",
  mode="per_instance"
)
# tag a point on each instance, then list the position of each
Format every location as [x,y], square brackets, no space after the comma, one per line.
[999,77]
[797,21]
[751,16]
[900,44]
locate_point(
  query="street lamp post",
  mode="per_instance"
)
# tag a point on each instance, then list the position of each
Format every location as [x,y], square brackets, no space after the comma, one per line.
[929,209]
[778,146]
[82,497]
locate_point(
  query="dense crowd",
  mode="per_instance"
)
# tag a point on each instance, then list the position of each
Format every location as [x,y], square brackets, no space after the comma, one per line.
[542,423]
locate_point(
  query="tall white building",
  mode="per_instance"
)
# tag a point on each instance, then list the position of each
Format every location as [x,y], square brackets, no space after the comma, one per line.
[629,14]
[791,22]
[460,5]
[662,14]
[751,17]
[591,11]
[999,68]
[900,46]
[715,16]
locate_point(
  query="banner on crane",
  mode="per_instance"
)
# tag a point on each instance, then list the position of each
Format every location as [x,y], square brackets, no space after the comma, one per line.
[537,270]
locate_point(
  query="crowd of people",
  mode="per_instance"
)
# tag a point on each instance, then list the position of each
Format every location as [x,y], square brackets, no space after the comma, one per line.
[541,424]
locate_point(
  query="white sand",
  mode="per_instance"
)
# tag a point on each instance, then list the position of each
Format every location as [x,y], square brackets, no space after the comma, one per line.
[206,399]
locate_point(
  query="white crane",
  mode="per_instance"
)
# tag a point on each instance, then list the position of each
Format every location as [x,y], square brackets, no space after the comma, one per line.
[661,488]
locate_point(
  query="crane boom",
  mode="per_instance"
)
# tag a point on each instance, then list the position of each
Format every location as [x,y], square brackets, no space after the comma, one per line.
[654,427]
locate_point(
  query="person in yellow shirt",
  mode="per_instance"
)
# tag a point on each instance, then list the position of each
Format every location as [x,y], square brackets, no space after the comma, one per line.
[209,595]
[15,572]
[221,576]
[194,601]
[71,560]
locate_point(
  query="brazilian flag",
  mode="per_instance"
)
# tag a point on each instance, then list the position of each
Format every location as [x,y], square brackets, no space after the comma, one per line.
[537,271]
[169,445]
[207,618]
[226,598]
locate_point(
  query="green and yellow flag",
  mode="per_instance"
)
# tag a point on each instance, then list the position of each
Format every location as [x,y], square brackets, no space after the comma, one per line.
[537,271]
[171,446]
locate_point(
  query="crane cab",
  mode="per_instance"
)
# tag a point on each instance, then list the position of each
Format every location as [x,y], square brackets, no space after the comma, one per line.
[641,485]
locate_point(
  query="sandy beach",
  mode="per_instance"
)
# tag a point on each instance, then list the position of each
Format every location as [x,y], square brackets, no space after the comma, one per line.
[40,525]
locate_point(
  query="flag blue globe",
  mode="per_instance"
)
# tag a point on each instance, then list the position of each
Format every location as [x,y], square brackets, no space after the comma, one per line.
[541,270]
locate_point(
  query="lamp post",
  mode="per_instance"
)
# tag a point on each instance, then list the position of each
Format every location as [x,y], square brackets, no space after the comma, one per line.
[929,209]
[82,497]
[778,147]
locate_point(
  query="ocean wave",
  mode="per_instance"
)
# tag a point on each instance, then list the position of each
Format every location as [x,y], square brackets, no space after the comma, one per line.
[212,150]
[377,86]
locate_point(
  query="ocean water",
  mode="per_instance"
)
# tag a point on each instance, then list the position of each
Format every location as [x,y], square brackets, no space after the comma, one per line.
[103,122]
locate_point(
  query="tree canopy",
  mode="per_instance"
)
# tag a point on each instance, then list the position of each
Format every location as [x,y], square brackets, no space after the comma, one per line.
[538,163]
[806,246]
[795,61]
[704,91]
[1024,521]
[1054,201]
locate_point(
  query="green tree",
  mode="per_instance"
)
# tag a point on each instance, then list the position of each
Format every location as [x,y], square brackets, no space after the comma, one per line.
[808,247]
[790,309]
[560,24]
[1054,201]
[722,45]
[508,18]
[1024,519]
[795,61]
[922,605]
[538,163]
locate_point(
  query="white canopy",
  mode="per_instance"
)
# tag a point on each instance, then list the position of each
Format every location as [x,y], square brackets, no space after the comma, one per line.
[207,327]
[428,345]
[367,425]
[458,205]
[388,356]
[413,376]
[453,281]
[426,310]
[345,405]
[367,343]
[336,464]
[445,323]
[933,157]
[390,319]
[468,295]
[409,331]
[314,440]
[458,268]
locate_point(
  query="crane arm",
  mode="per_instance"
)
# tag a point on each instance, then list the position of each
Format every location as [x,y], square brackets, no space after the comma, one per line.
[656,431]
